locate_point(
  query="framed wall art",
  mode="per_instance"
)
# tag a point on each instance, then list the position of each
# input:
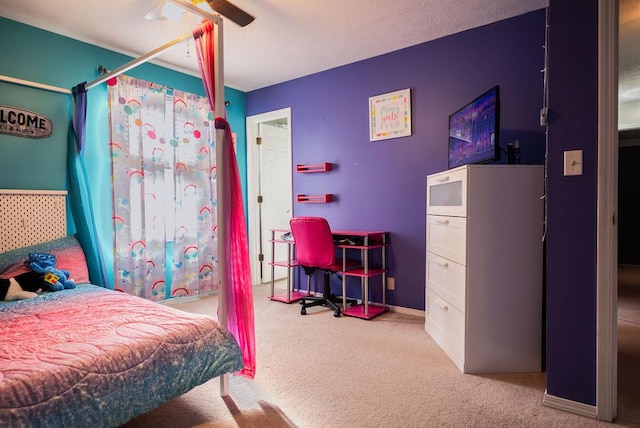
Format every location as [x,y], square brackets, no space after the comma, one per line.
[390,115]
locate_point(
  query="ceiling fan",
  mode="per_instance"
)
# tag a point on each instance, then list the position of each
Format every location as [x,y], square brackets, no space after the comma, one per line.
[174,9]
[230,11]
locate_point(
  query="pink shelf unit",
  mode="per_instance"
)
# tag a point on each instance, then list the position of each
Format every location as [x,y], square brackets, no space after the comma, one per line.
[314,199]
[370,240]
[290,297]
[291,294]
[370,311]
[317,167]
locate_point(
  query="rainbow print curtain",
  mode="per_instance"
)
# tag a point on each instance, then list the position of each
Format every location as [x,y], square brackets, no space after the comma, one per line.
[164,190]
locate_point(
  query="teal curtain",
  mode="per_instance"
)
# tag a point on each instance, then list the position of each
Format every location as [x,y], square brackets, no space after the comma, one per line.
[79,194]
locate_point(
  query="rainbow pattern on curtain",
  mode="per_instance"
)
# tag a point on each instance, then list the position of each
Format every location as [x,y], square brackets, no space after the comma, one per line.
[164,190]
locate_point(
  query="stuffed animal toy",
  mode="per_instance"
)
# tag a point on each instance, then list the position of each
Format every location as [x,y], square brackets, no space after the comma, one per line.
[45,263]
[24,286]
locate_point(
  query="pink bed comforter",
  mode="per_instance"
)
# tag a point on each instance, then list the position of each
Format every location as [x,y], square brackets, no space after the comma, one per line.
[95,357]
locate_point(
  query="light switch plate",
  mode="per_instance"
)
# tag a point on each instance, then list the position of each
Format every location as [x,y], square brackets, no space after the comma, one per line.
[573,162]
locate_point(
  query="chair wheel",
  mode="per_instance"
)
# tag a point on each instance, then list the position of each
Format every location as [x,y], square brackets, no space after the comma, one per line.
[336,314]
[303,311]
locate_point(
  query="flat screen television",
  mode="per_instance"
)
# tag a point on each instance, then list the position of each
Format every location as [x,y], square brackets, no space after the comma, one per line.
[474,129]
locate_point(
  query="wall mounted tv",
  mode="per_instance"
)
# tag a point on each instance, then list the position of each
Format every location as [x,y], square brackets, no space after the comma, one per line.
[473,131]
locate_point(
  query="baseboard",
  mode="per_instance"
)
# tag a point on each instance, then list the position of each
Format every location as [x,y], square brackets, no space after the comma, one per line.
[398,309]
[406,311]
[570,406]
[177,300]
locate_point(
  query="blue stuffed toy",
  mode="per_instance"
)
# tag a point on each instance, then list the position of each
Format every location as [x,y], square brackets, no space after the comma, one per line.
[46,264]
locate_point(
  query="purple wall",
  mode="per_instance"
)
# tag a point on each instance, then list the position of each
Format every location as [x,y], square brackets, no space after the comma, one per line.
[572,216]
[382,184]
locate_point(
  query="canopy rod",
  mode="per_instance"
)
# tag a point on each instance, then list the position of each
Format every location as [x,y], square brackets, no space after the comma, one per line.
[154,53]
[140,60]
[35,85]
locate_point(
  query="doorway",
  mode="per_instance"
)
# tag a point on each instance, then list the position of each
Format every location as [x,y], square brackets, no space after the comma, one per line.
[628,313]
[606,234]
[269,190]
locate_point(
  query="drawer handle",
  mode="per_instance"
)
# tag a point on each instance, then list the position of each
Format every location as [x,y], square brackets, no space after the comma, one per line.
[442,304]
[443,264]
[442,221]
[443,179]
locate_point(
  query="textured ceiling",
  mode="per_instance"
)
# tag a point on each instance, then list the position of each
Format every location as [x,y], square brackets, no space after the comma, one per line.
[288,39]
[629,65]
[295,38]
[629,46]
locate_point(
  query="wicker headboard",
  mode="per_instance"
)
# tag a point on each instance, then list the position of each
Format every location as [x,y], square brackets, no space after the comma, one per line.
[29,217]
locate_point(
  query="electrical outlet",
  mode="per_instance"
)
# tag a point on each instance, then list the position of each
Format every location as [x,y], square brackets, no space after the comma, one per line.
[391,283]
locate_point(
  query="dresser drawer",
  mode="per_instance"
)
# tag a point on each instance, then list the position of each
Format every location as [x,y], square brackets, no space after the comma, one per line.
[447,237]
[445,324]
[447,279]
[447,193]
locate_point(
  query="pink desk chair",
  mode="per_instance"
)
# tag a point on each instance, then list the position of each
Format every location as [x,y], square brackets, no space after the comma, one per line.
[315,251]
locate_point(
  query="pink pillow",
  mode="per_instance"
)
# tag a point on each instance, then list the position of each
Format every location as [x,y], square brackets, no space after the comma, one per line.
[73,260]
[68,252]
[15,270]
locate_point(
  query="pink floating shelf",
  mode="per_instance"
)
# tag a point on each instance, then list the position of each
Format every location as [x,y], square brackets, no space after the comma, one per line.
[317,167]
[314,199]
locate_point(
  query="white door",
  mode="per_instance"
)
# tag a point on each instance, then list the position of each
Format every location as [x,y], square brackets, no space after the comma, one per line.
[269,177]
[275,189]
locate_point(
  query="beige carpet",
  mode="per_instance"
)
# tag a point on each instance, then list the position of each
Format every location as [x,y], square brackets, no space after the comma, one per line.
[321,371]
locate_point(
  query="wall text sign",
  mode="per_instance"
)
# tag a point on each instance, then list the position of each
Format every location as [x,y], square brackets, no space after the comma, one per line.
[23,123]
[390,115]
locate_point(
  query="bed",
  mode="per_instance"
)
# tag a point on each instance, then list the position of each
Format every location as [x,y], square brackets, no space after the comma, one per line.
[90,356]
[93,357]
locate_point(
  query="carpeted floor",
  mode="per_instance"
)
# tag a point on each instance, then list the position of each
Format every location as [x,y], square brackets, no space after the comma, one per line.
[321,371]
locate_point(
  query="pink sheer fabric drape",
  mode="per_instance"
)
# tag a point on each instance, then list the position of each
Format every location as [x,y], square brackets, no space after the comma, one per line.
[238,292]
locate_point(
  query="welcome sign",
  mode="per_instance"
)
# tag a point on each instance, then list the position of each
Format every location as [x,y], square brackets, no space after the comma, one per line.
[23,123]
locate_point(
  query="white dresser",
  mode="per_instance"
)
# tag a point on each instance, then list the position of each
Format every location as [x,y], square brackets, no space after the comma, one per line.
[484,266]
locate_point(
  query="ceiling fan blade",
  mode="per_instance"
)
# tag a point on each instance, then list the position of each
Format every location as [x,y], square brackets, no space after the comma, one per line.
[229,11]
